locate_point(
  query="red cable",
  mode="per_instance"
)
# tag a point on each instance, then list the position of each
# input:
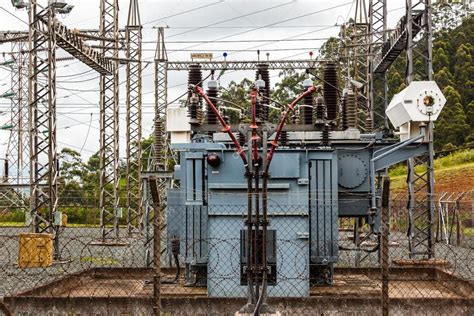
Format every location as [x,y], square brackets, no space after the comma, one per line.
[226,127]
[282,123]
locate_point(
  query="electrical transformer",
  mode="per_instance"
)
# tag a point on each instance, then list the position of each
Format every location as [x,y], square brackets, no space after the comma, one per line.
[323,168]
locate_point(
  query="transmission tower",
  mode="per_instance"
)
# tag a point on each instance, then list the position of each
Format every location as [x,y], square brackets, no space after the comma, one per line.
[378,36]
[134,118]
[17,157]
[419,66]
[42,120]
[357,57]
[109,123]
[414,34]
[161,100]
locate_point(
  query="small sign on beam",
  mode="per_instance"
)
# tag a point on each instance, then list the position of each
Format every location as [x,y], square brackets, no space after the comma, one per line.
[201,56]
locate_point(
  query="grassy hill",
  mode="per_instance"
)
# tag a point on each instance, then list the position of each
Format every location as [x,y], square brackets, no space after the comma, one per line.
[453,173]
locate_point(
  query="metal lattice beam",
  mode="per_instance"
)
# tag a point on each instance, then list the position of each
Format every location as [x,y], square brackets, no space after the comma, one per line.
[134,120]
[17,156]
[378,36]
[246,65]
[420,183]
[18,145]
[42,120]
[158,154]
[13,36]
[75,45]
[109,124]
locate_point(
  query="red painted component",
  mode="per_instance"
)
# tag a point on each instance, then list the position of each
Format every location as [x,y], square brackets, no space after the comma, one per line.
[282,123]
[226,127]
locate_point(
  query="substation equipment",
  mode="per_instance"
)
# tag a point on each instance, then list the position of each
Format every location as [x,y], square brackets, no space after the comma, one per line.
[228,212]
[255,190]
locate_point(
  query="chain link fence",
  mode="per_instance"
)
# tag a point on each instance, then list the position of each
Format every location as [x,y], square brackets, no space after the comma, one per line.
[201,265]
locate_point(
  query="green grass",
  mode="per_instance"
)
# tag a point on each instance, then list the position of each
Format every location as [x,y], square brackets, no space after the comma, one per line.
[468,231]
[456,160]
[22,224]
[100,260]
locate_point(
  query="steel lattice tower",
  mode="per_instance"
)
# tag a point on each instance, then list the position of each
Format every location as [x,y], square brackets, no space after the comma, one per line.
[157,161]
[134,118]
[357,58]
[42,119]
[378,35]
[420,169]
[18,144]
[109,123]
[161,100]
[16,176]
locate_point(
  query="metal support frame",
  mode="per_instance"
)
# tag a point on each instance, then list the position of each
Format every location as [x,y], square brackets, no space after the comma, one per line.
[42,121]
[420,169]
[245,65]
[357,56]
[378,36]
[109,124]
[17,157]
[134,182]
[159,151]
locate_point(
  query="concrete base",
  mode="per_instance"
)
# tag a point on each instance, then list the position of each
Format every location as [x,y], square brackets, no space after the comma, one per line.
[118,291]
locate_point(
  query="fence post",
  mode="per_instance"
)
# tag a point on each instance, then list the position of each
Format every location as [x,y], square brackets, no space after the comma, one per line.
[157,209]
[384,258]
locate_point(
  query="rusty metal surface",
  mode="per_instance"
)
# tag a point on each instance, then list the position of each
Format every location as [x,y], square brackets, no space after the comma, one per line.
[412,290]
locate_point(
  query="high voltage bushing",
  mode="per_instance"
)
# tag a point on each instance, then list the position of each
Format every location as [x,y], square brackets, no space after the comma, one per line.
[330,92]
[262,111]
[325,135]
[319,113]
[212,93]
[307,111]
[351,109]
[195,101]
[284,138]
[369,124]
[344,112]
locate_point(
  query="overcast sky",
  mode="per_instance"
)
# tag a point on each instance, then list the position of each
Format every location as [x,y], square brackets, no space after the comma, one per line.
[186,21]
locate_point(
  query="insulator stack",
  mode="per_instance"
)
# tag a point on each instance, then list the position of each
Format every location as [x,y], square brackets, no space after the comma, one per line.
[262,111]
[158,145]
[330,91]
[369,124]
[284,138]
[351,110]
[307,111]
[319,113]
[210,115]
[325,135]
[195,106]
[344,113]
[242,139]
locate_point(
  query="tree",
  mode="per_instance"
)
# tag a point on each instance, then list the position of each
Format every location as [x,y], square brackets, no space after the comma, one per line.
[451,126]
[238,95]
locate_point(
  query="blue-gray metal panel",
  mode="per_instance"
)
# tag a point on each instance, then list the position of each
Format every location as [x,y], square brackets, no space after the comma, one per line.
[243,186]
[323,211]
[174,217]
[364,154]
[198,146]
[224,257]
[285,165]
[195,190]
[194,234]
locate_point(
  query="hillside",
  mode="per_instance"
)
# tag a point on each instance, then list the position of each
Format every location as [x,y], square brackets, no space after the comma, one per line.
[453,173]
